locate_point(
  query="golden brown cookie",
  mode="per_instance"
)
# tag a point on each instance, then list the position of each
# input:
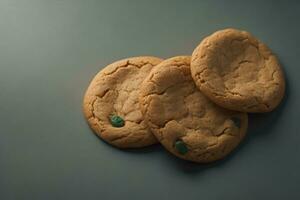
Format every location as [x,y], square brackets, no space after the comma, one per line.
[185,122]
[111,103]
[238,72]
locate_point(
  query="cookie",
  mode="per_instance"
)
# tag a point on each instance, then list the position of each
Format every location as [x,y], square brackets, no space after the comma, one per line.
[185,121]
[238,72]
[111,104]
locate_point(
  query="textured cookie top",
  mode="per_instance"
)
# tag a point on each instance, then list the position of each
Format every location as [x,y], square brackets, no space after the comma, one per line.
[238,72]
[187,123]
[111,103]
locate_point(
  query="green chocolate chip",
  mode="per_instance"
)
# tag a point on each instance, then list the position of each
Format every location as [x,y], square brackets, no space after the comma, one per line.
[181,147]
[116,121]
[236,121]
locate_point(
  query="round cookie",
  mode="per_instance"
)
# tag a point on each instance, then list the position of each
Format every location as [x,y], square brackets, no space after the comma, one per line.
[111,104]
[238,72]
[185,122]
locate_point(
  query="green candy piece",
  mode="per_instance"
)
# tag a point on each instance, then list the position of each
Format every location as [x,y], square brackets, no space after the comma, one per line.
[181,147]
[116,121]
[236,121]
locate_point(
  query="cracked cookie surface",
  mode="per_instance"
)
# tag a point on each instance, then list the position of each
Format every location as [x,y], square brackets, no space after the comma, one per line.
[238,72]
[111,104]
[184,121]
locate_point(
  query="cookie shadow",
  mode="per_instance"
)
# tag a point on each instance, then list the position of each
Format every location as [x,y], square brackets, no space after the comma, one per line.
[260,125]
[149,149]
[142,150]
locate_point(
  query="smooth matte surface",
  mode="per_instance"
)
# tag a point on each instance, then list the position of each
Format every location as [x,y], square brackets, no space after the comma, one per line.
[49,51]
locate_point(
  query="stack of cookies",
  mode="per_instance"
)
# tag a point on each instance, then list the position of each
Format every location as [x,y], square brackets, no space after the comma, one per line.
[195,106]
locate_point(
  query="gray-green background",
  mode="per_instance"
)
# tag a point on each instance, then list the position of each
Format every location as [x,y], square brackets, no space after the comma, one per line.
[49,51]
